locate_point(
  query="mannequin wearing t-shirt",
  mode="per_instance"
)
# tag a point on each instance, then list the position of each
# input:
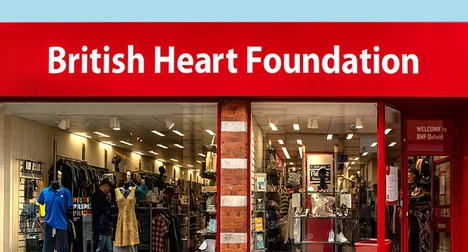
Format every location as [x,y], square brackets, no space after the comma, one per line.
[58,200]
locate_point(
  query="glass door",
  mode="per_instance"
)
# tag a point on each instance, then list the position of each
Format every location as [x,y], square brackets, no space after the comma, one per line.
[442,204]
[428,203]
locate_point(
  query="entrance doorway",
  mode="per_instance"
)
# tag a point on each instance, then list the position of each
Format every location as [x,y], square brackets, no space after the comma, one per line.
[429,203]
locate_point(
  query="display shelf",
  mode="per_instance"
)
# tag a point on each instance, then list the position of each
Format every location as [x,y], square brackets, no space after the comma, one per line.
[324,217]
[321,242]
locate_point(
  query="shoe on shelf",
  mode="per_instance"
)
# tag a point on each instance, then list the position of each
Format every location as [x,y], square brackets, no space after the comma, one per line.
[331,236]
[340,238]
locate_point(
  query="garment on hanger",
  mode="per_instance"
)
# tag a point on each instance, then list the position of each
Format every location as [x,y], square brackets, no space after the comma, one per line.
[127,226]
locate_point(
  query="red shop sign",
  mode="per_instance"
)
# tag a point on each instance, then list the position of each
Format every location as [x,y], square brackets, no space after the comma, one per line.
[431,133]
[163,60]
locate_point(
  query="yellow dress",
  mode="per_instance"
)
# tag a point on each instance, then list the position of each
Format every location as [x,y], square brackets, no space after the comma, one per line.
[127,225]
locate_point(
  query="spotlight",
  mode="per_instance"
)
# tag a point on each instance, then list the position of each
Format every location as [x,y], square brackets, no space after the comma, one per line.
[115,123]
[312,123]
[62,124]
[359,124]
[273,122]
[169,123]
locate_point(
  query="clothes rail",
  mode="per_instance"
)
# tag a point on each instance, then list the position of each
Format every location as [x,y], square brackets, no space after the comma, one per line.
[72,159]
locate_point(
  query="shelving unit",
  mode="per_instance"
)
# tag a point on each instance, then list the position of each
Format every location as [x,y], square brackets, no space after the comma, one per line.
[31,181]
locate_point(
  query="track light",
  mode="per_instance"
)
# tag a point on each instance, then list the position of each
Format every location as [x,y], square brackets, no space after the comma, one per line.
[312,123]
[359,124]
[115,123]
[62,124]
[169,123]
[273,124]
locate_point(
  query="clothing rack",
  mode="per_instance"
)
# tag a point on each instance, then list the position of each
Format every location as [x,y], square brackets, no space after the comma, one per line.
[72,159]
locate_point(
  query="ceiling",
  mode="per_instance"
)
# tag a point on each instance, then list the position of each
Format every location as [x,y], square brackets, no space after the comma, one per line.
[338,119]
[137,120]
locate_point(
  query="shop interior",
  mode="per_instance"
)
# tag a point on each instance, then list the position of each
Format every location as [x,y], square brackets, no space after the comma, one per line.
[162,156]
[314,176]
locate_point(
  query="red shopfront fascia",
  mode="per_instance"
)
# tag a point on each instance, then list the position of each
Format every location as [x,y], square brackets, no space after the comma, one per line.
[441,50]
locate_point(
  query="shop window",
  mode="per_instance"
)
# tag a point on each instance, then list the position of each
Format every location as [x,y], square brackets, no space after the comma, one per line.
[313,170]
[159,157]
[393,182]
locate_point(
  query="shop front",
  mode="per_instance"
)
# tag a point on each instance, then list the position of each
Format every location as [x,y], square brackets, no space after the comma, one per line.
[271,136]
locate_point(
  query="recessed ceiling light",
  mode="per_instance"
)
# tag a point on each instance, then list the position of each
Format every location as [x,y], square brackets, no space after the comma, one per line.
[291,163]
[178,133]
[296,126]
[162,146]
[387,131]
[127,143]
[201,154]
[190,165]
[138,153]
[280,141]
[158,133]
[199,161]
[100,134]
[356,158]
[174,160]
[329,136]
[108,143]
[373,144]
[169,123]
[179,146]
[392,144]
[286,153]
[210,132]
[349,167]
[154,153]
[365,153]
[350,136]
[353,162]
[82,134]
[299,141]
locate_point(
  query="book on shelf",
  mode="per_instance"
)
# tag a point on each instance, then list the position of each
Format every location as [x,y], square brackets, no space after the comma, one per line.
[260,241]
[261,185]
[258,224]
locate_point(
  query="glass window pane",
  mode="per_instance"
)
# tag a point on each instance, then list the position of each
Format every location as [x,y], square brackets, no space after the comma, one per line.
[393,168]
[313,169]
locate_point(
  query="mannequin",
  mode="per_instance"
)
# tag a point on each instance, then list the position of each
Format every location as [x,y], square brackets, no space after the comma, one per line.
[116,161]
[127,236]
[58,200]
[358,177]
[322,174]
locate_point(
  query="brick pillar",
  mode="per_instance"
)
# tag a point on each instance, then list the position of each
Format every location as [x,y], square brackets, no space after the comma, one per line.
[234,219]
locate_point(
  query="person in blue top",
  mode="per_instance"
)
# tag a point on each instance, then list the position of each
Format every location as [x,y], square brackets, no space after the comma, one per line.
[57,200]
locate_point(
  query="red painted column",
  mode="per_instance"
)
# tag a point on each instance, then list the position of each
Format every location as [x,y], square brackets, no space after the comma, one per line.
[381,160]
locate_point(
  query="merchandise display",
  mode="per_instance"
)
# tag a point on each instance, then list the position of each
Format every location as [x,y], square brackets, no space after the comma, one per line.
[105,190]
[58,201]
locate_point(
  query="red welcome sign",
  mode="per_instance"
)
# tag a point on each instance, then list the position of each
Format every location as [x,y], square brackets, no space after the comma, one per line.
[431,133]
